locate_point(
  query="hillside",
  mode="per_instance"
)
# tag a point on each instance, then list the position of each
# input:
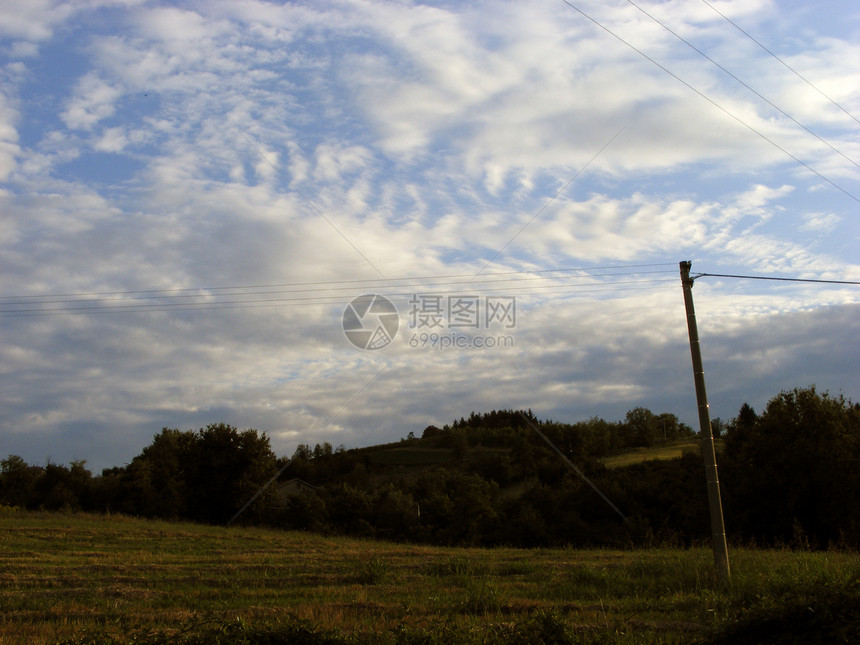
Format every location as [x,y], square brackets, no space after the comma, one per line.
[502,478]
[671,449]
[498,479]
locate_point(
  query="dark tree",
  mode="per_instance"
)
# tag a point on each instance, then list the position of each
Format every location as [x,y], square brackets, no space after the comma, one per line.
[17,481]
[227,469]
[792,473]
[156,481]
[60,487]
[643,427]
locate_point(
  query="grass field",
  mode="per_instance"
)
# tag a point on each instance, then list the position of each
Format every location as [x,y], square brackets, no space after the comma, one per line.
[99,579]
[667,450]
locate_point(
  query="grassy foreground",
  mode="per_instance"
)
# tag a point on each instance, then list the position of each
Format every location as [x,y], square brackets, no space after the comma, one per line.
[94,579]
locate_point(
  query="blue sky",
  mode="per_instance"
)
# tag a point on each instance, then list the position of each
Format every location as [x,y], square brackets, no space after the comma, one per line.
[192,195]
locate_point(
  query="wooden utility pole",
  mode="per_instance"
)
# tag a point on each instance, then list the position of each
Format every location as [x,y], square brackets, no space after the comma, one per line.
[718,528]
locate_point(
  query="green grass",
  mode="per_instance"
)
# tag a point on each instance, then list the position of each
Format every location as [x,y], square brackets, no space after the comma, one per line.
[668,450]
[86,578]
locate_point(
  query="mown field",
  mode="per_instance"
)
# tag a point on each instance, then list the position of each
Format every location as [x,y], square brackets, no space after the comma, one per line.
[79,578]
[666,450]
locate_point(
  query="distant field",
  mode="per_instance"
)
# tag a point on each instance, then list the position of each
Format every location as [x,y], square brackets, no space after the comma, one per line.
[116,579]
[408,456]
[670,450]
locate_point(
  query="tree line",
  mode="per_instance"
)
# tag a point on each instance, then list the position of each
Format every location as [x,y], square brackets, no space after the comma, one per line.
[789,476]
[204,476]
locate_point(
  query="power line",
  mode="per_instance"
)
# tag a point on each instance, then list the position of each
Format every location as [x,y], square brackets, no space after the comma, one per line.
[97,307]
[711,101]
[274,478]
[370,282]
[567,286]
[763,98]
[765,277]
[787,66]
[557,451]
[317,290]
[424,289]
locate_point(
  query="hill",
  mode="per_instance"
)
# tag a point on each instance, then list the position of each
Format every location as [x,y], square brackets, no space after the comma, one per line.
[504,478]
[672,449]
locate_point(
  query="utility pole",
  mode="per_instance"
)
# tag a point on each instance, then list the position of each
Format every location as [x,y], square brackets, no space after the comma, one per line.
[718,528]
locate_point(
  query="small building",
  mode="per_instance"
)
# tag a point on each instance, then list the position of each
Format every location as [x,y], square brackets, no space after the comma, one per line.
[292,488]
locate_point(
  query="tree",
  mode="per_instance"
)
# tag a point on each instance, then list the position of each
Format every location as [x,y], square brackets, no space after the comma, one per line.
[17,481]
[349,509]
[668,426]
[206,475]
[60,487]
[431,431]
[156,481]
[322,451]
[456,507]
[459,442]
[718,428]
[642,426]
[227,469]
[305,512]
[794,469]
[745,420]
[395,513]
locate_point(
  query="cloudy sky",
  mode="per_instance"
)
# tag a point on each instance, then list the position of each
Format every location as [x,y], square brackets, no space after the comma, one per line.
[192,196]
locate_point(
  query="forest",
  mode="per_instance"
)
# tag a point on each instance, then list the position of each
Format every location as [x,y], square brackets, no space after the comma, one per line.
[789,477]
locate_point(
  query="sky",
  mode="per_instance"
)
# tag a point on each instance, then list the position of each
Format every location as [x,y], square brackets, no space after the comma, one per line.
[198,200]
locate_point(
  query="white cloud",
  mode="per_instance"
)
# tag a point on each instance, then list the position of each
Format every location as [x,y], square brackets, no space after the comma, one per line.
[173,24]
[820,222]
[23,49]
[9,148]
[603,228]
[753,200]
[336,163]
[94,101]
[112,140]
[422,140]
[32,19]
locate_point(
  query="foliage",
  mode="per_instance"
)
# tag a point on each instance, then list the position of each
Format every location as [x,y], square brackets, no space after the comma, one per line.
[789,477]
[791,474]
[206,476]
[227,469]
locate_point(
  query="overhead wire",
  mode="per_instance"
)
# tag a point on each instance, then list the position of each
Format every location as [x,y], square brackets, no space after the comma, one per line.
[480,286]
[752,129]
[167,297]
[746,85]
[588,271]
[579,284]
[405,290]
[767,277]
[786,65]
